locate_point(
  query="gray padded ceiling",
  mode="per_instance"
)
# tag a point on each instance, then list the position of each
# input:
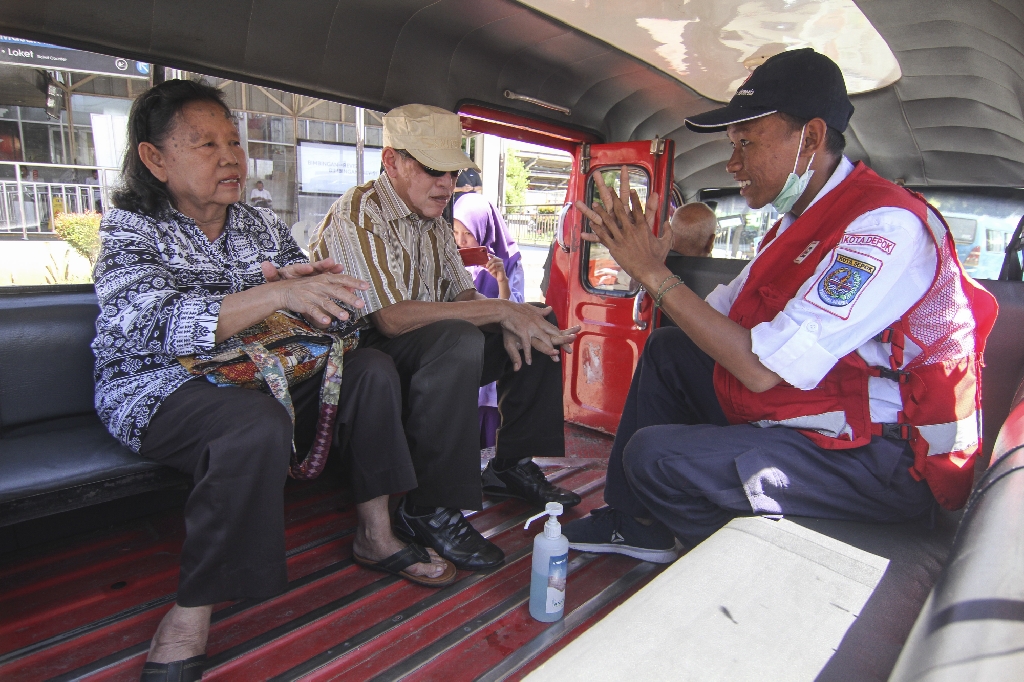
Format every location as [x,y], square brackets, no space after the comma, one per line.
[955,118]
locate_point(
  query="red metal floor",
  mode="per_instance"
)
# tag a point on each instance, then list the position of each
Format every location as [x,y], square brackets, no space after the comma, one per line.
[86,608]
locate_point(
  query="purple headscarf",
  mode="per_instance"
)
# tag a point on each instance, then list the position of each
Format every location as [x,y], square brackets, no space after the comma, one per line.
[484,222]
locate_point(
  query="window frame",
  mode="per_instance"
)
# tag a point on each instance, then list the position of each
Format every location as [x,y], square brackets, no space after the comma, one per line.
[585,282]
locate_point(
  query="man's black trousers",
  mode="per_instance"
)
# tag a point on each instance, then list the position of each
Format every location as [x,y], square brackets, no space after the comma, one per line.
[442,366]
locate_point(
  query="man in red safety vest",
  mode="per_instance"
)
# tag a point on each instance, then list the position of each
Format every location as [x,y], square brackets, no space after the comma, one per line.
[838,376]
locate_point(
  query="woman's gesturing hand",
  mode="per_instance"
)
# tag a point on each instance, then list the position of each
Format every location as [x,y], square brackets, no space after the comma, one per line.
[315,289]
[295,270]
[318,297]
[624,226]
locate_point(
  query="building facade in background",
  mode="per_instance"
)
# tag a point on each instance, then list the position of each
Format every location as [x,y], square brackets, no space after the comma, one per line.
[63,129]
[63,132]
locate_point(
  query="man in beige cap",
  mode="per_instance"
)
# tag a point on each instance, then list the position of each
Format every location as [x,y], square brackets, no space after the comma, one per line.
[446,339]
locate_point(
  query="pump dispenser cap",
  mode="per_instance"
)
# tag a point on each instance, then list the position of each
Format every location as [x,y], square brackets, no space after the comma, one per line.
[552,509]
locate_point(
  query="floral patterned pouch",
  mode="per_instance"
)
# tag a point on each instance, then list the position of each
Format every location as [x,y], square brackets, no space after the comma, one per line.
[274,354]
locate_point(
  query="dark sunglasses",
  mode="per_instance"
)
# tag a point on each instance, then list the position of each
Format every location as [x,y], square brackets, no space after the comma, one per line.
[428,170]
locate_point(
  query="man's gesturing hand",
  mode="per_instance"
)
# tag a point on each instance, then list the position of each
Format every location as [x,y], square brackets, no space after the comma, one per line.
[524,327]
[627,232]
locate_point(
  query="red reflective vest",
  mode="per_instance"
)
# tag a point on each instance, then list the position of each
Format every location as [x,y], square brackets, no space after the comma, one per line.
[940,388]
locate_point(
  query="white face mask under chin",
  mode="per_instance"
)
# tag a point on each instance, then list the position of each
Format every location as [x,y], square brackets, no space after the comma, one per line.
[795,184]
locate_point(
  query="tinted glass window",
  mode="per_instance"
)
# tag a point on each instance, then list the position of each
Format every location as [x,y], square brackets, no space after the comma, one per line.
[982,221]
[55,181]
[963,229]
[995,240]
[601,273]
[740,228]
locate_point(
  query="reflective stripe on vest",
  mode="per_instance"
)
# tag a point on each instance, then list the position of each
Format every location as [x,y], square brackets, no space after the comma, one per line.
[831,424]
[958,436]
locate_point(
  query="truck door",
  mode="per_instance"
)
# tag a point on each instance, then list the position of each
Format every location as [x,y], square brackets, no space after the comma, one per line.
[613,312]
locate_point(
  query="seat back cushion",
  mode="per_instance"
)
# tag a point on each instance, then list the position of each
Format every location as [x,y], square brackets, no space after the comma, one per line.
[1004,358]
[46,361]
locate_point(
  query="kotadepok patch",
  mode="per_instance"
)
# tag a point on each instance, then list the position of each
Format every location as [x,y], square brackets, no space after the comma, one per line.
[843,282]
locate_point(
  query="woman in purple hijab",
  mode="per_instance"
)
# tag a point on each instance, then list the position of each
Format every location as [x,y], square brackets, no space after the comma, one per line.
[478,223]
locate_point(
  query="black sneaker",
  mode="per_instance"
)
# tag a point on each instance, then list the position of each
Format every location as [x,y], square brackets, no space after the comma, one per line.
[526,481]
[450,535]
[607,530]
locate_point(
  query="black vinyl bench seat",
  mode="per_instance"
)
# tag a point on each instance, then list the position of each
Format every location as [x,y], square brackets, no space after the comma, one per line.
[55,455]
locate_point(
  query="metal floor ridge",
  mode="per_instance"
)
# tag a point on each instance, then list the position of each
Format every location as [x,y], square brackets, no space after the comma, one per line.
[86,608]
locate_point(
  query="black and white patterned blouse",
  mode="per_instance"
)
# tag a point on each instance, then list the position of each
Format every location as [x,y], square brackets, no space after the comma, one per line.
[160,283]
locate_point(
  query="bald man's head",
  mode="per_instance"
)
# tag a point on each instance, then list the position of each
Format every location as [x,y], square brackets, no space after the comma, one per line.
[693,229]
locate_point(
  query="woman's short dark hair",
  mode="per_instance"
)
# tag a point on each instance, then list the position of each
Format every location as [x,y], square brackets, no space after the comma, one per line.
[151,119]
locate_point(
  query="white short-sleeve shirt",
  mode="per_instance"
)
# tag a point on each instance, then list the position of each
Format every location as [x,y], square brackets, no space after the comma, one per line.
[893,260]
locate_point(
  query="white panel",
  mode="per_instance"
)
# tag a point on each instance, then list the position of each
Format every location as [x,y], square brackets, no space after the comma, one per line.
[711,45]
[758,600]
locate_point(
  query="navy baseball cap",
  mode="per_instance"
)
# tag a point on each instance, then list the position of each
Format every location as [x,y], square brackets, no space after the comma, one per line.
[802,83]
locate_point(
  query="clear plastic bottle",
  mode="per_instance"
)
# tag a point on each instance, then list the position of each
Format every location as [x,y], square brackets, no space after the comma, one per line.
[550,567]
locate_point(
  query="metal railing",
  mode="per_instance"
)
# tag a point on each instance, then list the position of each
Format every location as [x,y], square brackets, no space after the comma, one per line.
[532,223]
[28,206]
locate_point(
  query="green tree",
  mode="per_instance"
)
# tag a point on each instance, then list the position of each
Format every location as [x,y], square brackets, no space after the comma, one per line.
[516,180]
[81,231]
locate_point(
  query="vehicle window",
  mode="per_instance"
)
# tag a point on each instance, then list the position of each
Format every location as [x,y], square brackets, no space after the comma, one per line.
[740,228]
[995,240]
[601,274]
[963,229]
[982,221]
[536,180]
[59,163]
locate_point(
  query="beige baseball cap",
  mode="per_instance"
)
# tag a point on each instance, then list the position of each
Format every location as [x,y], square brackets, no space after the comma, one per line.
[433,136]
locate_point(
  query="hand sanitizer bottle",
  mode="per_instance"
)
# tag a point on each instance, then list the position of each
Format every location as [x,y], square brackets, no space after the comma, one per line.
[550,567]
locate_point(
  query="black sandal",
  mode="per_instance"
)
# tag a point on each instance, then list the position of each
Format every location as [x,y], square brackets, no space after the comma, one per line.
[403,559]
[188,670]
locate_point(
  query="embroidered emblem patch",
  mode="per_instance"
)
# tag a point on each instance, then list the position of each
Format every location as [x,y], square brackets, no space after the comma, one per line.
[841,282]
[875,240]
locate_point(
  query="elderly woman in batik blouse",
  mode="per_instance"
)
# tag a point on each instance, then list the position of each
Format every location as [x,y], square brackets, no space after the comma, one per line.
[185,265]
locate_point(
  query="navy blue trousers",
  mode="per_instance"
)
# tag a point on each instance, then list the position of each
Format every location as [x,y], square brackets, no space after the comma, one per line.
[676,459]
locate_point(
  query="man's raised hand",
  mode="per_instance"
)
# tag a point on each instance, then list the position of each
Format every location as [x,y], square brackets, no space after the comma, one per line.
[627,232]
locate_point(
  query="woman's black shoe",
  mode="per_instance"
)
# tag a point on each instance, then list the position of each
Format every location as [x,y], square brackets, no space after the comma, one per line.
[450,535]
[526,481]
[188,670]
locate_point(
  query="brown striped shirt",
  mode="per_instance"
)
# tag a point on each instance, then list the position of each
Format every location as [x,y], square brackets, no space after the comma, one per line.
[377,238]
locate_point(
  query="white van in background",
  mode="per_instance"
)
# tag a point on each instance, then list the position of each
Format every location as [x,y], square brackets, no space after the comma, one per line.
[982,225]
